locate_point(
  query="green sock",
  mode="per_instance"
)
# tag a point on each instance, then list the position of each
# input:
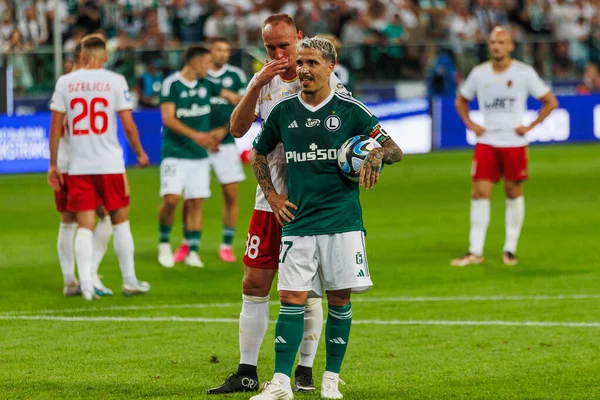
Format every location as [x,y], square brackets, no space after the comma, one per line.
[337,333]
[228,234]
[164,233]
[288,337]
[193,239]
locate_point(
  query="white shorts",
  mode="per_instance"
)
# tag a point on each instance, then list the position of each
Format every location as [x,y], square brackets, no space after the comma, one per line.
[324,262]
[188,176]
[227,164]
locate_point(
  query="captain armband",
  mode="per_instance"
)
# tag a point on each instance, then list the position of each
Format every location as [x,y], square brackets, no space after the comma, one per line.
[379,134]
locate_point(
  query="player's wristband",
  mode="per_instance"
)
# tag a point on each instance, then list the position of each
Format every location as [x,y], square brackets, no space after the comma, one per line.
[379,134]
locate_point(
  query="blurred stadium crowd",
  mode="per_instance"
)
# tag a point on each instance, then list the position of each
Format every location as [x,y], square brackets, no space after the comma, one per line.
[382,39]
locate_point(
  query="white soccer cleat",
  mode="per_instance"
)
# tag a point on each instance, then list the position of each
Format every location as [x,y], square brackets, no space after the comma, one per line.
[89,295]
[329,386]
[467,259]
[273,390]
[193,260]
[72,289]
[134,290]
[165,255]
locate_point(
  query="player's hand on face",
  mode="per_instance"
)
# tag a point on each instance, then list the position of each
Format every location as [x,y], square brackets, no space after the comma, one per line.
[477,129]
[281,208]
[270,70]
[369,170]
[207,141]
[55,178]
[142,160]
[522,130]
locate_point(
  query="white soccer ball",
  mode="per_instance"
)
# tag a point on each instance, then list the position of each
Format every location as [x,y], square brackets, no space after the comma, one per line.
[352,154]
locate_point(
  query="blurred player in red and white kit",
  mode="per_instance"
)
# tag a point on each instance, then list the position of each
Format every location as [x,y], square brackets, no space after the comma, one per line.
[502,87]
[276,80]
[90,98]
[68,220]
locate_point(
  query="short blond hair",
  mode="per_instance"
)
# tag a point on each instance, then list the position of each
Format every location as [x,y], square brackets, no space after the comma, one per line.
[317,43]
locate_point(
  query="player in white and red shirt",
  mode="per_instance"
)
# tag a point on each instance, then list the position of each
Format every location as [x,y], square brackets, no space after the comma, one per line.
[502,87]
[68,219]
[90,98]
[276,80]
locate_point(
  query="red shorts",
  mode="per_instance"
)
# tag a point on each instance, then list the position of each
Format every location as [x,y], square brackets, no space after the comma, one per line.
[60,197]
[87,191]
[492,163]
[264,240]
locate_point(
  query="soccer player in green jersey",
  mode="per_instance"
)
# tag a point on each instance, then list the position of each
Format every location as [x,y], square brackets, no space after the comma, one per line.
[187,139]
[226,162]
[323,248]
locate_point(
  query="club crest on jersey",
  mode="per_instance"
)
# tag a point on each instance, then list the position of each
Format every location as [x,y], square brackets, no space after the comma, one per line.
[311,123]
[227,81]
[333,123]
[202,92]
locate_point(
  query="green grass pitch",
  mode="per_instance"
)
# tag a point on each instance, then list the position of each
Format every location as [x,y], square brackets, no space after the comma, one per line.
[485,332]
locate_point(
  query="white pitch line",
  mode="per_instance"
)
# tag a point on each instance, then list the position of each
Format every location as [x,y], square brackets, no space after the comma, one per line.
[127,308]
[405,299]
[357,322]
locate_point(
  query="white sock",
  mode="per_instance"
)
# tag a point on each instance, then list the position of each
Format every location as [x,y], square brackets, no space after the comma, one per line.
[102,235]
[283,379]
[515,214]
[254,321]
[480,219]
[123,244]
[84,248]
[313,326]
[66,252]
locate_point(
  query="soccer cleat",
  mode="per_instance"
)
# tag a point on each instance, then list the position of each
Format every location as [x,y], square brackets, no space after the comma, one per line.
[225,254]
[329,386]
[89,295]
[181,253]
[236,383]
[102,291]
[509,258]
[134,290]
[165,255]
[303,380]
[193,260]
[467,259]
[273,390]
[72,289]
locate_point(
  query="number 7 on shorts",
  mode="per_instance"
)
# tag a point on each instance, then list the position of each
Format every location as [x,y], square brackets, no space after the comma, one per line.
[283,250]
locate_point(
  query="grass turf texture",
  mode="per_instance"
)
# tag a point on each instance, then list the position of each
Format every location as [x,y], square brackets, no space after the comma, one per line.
[417,219]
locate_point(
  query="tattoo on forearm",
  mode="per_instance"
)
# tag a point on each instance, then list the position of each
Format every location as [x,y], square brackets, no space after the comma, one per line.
[391,152]
[261,169]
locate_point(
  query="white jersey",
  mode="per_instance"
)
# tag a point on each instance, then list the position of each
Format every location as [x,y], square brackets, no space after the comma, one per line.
[91,99]
[502,99]
[62,159]
[271,94]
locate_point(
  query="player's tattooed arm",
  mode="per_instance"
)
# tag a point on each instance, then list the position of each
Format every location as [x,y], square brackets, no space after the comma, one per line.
[279,204]
[262,172]
[388,153]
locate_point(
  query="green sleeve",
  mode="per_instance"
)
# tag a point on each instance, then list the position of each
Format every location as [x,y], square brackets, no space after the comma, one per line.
[167,94]
[270,133]
[365,122]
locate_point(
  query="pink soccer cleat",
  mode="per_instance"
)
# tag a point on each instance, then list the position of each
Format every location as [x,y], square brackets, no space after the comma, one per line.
[181,253]
[225,254]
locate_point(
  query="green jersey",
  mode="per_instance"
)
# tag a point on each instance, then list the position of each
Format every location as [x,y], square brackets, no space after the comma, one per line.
[231,78]
[327,202]
[192,108]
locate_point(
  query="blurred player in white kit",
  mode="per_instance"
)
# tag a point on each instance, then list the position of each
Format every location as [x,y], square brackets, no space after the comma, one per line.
[90,98]
[502,87]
